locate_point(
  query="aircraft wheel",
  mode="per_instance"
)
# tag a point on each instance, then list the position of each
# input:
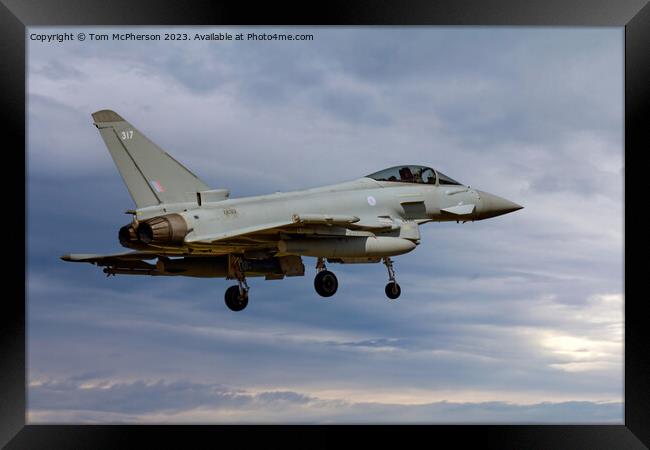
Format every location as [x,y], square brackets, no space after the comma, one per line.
[393,290]
[326,283]
[234,300]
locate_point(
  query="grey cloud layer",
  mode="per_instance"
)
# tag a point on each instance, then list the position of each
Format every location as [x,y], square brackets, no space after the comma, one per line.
[160,402]
[429,343]
[525,308]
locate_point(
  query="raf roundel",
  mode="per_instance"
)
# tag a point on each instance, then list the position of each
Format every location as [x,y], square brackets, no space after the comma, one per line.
[371,200]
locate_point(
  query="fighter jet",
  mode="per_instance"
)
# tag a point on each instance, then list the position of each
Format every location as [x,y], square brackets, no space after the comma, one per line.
[192,230]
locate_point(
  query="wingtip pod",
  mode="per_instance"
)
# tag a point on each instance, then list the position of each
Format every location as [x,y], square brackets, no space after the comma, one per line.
[106,115]
[79,257]
[74,257]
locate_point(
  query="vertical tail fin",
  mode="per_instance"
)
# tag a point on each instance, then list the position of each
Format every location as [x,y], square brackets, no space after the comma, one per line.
[151,175]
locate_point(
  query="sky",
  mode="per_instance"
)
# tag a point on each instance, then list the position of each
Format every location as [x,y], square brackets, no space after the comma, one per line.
[515,319]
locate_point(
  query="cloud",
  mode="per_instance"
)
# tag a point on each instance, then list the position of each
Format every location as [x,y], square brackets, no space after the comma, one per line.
[56,70]
[184,402]
[430,342]
[431,102]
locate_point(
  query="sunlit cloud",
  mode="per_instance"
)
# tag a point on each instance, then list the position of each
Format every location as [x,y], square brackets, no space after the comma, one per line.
[186,402]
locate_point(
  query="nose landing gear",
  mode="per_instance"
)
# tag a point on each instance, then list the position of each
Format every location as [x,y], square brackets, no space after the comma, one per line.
[325,281]
[392,288]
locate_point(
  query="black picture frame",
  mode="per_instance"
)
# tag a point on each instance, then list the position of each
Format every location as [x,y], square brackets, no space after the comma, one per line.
[634,15]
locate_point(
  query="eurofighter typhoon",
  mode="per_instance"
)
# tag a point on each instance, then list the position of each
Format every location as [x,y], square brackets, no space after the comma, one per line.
[181,227]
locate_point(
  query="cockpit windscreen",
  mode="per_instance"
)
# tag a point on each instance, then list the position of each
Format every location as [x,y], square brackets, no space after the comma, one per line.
[444,179]
[406,174]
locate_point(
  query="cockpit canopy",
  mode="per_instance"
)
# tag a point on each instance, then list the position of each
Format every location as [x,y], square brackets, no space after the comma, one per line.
[412,174]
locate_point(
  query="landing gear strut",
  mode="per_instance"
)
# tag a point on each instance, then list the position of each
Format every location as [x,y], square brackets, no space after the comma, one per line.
[325,282]
[237,296]
[392,288]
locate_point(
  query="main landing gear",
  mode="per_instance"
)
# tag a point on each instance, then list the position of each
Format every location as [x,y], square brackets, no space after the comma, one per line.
[392,288]
[325,282]
[237,296]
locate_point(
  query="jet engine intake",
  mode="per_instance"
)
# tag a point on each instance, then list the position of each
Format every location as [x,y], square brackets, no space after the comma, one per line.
[167,229]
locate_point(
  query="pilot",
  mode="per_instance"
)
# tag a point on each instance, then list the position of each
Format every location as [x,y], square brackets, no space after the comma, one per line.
[406,175]
[428,176]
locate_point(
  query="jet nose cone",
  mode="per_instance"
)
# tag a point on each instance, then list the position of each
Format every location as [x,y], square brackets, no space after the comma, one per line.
[491,205]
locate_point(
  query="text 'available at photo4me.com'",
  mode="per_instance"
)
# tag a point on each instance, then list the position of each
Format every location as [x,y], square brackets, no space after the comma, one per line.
[59,38]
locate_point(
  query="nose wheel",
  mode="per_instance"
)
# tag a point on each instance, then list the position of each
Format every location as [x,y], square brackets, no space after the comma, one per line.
[392,288]
[325,281]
